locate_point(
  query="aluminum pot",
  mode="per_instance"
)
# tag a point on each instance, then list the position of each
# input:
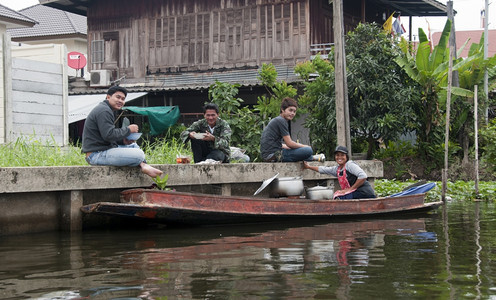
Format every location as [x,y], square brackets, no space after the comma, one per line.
[320,193]
[286,187]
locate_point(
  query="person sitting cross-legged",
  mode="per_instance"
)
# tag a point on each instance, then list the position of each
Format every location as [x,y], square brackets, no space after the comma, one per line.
[105,144]
[209,137]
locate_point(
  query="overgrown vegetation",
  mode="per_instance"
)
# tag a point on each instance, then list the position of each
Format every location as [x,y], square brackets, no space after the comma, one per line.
[27,151]
[459,190]
[380,94]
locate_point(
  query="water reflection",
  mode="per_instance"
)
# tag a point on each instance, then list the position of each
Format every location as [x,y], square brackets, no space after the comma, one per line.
[445,255]
[272,260]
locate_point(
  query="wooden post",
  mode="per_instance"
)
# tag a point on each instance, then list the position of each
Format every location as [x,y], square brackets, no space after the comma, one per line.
[486,45]
[446,134]
[342,109]
[452,39]
[476,129]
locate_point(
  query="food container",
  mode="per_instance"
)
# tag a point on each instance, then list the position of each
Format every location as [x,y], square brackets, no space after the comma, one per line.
[183,159]
[286,187]
[320,193]
[199,135]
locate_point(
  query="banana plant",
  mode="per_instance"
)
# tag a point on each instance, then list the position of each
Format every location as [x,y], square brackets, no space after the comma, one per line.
[430,70]
[470,73]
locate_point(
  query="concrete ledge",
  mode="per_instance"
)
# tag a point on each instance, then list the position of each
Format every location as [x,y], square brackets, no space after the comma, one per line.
[43,179]
[49,198]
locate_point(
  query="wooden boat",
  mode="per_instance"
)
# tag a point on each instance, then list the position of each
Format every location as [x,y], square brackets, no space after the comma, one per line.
[172,207]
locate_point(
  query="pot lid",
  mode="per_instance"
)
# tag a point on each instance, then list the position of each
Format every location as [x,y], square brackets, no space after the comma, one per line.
[265,184]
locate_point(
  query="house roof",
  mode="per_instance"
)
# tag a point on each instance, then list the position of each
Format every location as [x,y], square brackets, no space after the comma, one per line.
[51,22]
[407,7]
[14,19]
[472,36]
[418,8]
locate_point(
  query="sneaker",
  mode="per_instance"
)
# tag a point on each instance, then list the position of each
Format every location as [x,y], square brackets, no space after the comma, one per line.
[318,157]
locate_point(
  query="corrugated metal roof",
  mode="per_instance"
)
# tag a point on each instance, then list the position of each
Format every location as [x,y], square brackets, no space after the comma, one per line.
[198,81]
[14,19]
[51,22]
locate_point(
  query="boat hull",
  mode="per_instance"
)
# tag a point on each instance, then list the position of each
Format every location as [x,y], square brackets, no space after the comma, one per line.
[204,209]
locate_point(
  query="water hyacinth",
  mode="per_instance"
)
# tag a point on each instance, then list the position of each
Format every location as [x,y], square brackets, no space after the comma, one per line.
[459,190]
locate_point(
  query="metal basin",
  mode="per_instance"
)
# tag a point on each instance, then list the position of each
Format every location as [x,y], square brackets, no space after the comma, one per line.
[320,193]
[286,187]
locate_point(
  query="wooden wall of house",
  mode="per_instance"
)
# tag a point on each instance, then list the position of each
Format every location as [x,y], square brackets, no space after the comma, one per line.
[154,36]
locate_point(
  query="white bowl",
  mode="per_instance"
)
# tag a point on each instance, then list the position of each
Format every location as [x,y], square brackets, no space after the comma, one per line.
[199,135]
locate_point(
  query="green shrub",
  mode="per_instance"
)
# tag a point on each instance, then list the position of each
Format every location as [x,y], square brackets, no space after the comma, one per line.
[488,136]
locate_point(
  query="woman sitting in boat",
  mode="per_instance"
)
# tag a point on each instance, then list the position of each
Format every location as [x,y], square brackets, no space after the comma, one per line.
[351,178]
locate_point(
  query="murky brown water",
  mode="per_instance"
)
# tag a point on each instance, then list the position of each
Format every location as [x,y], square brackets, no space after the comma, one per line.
[445,255]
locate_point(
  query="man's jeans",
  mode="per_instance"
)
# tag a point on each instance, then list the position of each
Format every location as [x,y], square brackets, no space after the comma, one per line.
[298,154]
[124,155]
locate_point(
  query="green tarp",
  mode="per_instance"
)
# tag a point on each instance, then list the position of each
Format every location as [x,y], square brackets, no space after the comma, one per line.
[160,117]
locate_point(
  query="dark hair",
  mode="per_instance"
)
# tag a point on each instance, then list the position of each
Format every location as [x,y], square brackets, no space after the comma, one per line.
[211,106]
[115,89]
[287,102]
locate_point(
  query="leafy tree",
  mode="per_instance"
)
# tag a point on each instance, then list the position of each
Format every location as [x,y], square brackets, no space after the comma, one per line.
[269,106]
[319,102]
[488,136]
[380,94]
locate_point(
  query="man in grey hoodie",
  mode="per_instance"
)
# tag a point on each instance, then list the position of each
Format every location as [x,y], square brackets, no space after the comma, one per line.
[105,144]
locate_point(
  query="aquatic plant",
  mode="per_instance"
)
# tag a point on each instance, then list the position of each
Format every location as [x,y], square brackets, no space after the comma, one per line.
[161,182]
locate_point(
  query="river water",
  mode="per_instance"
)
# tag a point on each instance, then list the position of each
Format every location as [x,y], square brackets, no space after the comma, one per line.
[448,254]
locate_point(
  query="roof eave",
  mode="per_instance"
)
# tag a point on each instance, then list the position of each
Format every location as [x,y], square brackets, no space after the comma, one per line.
[49,37]
[16,23]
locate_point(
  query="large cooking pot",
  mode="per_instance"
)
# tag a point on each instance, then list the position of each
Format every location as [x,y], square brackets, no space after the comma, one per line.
[320,193]
[286,187]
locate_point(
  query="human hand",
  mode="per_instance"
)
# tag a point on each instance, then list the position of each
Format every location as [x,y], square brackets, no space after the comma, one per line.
[133,128]
[192,135]
[209,137]
[127,142]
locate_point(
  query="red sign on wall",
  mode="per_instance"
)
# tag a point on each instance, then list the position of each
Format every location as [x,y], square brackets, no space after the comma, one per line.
[76,60]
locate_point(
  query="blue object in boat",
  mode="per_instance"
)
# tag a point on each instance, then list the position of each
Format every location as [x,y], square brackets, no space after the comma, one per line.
[424,188]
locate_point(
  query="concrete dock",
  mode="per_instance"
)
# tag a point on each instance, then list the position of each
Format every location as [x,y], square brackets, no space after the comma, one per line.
[40,199]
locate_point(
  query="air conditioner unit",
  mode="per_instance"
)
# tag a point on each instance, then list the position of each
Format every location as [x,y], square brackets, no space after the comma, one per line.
[100,78]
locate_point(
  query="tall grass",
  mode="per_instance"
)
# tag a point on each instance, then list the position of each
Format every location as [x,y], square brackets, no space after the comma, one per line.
[28,151]
[164,151]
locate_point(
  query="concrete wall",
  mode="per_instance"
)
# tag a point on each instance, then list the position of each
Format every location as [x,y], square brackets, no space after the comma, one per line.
[78,45]
[39,93]
[4,81]
[41,199]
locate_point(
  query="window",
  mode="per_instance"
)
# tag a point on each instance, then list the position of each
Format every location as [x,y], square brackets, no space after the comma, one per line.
[97,52]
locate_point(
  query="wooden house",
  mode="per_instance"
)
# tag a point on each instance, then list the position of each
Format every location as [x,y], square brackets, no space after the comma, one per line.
[175,49]
[138,39]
